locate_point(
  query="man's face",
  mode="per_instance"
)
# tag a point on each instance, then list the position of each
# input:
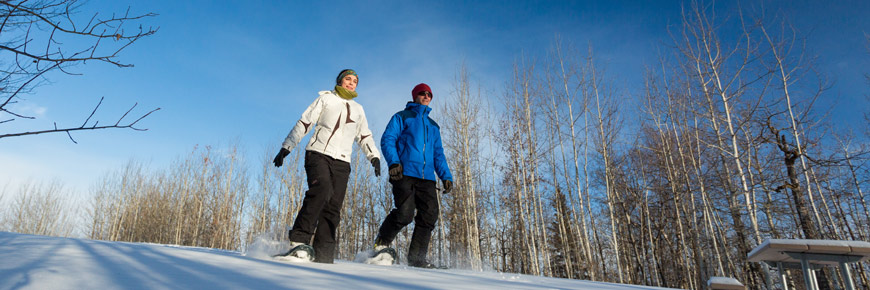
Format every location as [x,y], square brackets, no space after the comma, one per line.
[423,98]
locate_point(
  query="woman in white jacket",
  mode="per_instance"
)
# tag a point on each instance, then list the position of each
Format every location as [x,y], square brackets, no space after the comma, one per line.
[337,121]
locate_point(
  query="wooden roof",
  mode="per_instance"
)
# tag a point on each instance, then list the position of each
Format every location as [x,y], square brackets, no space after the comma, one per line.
[774,250]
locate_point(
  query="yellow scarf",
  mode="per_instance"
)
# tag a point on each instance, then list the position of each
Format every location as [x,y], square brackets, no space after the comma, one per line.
[344,93]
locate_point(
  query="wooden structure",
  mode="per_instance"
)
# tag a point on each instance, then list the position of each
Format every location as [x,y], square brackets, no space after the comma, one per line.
[811,255]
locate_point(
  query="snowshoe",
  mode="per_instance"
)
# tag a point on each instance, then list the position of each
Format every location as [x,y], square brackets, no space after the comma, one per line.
[424,264]
[298,252]
[384,255]
[381,255]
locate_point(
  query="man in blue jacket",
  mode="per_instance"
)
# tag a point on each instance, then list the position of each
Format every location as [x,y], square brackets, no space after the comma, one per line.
[412,148]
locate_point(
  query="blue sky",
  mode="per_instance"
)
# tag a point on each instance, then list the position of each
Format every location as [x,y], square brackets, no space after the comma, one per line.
[243,72]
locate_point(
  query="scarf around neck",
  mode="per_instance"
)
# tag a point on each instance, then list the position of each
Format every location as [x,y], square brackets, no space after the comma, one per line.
[344,93]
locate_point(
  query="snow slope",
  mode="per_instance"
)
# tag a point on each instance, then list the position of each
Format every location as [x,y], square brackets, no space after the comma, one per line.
[39,262]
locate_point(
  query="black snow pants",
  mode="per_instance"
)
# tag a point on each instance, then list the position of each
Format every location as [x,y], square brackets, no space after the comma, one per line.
[411,193]
[320,214]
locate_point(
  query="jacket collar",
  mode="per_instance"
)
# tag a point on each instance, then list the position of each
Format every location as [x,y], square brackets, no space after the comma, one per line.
[418,108]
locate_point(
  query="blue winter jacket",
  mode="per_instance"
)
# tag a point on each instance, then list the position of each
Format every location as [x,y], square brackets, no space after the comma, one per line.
[414,139]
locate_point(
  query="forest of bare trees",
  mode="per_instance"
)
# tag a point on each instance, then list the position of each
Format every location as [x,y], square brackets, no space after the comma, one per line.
[564,172]
[38,209]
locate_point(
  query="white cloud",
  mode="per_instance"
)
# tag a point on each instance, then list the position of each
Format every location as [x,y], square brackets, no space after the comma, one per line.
[29,109]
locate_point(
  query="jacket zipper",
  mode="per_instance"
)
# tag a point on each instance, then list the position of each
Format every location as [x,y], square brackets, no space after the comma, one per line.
[425,138]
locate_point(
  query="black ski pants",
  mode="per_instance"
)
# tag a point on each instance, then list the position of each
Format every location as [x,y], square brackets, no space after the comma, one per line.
[411,194]
[320,214]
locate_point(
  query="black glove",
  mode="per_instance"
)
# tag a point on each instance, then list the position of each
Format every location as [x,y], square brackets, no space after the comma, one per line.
[448,185]
[396,172]
[279,159]
[376,163]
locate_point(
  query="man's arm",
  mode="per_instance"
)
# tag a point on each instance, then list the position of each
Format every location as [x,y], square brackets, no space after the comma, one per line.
[389,139]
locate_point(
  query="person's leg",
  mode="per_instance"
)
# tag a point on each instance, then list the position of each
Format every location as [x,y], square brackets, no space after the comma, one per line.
[319,192]
[330,218]
[427,215]
[402,214]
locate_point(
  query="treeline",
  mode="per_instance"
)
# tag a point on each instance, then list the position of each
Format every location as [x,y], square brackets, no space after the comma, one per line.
[37,208]
[565,173]
[199,201]
[209,199]
[723,148]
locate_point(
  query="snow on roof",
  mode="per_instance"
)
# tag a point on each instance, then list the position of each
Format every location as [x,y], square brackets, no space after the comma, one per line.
[724,283]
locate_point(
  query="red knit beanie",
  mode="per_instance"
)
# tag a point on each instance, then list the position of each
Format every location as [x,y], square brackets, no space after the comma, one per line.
[422,87]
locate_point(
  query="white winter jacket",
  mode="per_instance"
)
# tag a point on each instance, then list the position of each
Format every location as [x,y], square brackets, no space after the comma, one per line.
[336,123]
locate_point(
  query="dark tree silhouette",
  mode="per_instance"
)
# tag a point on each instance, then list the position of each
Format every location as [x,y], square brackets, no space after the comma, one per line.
[37,37]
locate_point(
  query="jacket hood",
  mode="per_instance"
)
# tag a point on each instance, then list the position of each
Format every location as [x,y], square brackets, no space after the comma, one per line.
[418,108]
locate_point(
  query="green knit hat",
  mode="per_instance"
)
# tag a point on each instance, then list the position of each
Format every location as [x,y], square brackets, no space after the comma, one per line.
[345,73]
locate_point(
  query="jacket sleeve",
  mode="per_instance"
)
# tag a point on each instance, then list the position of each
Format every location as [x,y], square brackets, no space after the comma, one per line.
[390,138]
[441,167]
[304,125]
[365,139]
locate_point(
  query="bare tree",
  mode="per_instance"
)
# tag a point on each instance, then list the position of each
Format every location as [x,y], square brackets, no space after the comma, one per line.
[198,201]
[278,195]
[567,85]
[464,132]
[366,202]
[608,124]
[38,37]
[724,73]
[520,140]
[40,209]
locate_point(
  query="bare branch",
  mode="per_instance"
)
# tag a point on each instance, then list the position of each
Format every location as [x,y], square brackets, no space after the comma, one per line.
[25,85]
[54,20]
[125,114]
[16,114]
[94,111]
[82,128]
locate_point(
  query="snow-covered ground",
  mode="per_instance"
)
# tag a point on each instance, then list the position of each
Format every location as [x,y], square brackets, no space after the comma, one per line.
[39,262]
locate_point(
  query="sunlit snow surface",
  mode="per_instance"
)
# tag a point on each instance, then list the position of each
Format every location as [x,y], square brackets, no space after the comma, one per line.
[39,262]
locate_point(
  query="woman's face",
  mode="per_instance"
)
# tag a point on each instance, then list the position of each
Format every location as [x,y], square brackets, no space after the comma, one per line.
[349,82]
